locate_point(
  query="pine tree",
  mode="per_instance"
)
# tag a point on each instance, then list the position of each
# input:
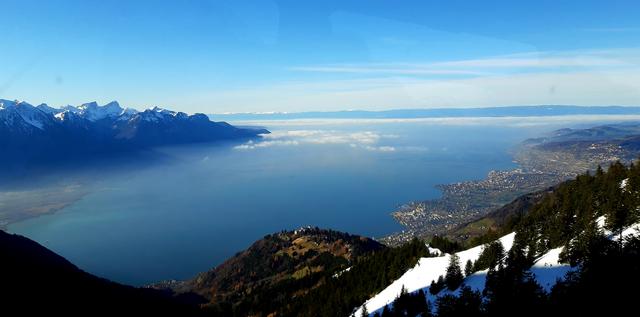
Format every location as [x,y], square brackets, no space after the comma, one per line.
[423,304]
[469,302]
[453,277]
[365,312]
[447,306]
[468,268]
[386,312]
[436,286]
[492,255]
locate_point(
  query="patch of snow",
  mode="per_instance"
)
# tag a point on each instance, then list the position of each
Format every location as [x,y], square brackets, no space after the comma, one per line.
[342,272]
[6,104]
[623,183]
[92,112]
[127,114]
[29,114]
[154,114]
[162,111]
[70,108]
[435,251]
[426,271]
[600,222]
[548,270]
[629,231]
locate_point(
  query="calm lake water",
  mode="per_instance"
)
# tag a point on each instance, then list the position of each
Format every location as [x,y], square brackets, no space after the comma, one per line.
[187,214]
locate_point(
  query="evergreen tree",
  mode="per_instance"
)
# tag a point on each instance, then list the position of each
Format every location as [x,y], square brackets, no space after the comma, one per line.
[365,312]
[386,312]
[447,306]
[491,255]
[468,304]
[453,277]
[411,304]
[436,287]
[468,268]
[422,304]
[565,216]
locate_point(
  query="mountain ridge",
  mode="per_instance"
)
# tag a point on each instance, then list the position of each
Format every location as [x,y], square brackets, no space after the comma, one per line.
[278,267]
[33,135]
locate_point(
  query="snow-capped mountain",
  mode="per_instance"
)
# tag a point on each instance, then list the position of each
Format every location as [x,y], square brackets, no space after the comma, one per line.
[92,112]
[22,116]
[42,132]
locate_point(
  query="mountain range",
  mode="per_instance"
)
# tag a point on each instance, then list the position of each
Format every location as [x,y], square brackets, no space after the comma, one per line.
[42,134]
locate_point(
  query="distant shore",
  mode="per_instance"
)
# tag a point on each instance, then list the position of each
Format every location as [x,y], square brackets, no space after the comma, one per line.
[541,165]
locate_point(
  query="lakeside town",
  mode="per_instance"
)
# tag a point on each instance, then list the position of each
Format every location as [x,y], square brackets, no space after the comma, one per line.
[542,164]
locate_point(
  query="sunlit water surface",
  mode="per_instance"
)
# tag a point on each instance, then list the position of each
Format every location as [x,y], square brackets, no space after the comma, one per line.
[170,220]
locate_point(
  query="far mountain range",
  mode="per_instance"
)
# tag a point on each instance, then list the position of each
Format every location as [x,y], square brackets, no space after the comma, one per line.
[506,111]
[32,135]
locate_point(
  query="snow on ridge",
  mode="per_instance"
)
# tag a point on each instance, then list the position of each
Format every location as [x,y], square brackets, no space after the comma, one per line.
[5,104]
[93,112]
[633,229]
[48,110]
[425,271]
[547,270]
[435,251]
[28,114]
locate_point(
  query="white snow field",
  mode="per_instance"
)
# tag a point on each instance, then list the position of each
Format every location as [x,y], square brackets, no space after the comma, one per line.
[425,271]
[547,270]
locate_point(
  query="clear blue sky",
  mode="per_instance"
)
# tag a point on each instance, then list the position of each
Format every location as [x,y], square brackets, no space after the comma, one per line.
[236,56]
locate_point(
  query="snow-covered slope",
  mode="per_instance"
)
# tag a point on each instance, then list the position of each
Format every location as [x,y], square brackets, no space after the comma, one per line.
[14,113]
[425,271]
[547,270]
[92,112]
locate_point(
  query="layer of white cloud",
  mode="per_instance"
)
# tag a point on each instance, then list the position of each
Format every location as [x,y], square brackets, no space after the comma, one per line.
[533,60]
[572,88]
[588,78]
[367,140]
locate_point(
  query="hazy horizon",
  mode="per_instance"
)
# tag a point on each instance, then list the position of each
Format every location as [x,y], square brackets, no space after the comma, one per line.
[284,56]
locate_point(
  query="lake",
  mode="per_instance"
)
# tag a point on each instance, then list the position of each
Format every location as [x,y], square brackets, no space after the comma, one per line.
[201,205]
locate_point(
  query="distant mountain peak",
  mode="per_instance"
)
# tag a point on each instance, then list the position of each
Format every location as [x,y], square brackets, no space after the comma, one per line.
[112,104]
[93,112]
[89,105]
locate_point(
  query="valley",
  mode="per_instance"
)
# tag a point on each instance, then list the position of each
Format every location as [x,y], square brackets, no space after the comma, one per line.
[331,158]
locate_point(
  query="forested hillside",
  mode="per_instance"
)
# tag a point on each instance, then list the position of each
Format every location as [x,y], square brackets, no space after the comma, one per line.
[592,220]
[588,220]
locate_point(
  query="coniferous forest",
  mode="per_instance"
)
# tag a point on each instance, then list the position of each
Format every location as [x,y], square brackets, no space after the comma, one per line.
[604,278]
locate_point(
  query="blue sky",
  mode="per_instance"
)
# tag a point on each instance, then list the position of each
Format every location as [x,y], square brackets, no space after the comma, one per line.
[238,56]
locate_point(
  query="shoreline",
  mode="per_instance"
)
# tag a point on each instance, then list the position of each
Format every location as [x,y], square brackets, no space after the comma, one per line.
[19,206]
[462,202]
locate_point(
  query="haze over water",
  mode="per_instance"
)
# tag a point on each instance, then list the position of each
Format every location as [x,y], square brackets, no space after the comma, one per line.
[188,213]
